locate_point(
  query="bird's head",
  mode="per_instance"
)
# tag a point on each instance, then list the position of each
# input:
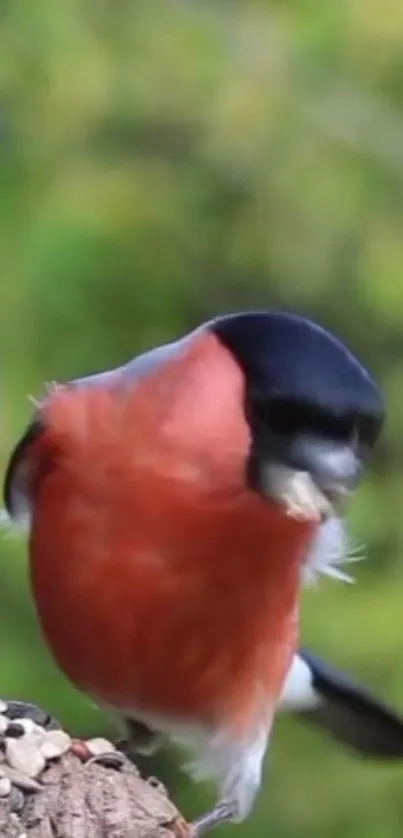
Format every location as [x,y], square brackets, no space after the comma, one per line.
[314,413]
[312,408]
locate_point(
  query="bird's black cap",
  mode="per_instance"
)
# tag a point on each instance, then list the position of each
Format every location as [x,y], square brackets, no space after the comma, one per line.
[290,356]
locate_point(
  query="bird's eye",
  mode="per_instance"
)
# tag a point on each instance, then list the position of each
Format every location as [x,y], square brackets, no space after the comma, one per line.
[290,417]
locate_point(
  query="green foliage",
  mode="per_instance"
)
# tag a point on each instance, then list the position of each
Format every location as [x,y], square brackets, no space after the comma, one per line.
[164,161]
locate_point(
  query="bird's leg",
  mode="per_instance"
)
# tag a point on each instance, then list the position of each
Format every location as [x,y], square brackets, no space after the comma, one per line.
[139,738]
[239,768]
[219,814]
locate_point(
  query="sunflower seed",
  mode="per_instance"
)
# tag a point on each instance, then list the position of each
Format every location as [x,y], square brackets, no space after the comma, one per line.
[15,730]
[25,756]
[17,799]
[29,727]
[99,747]
[5,786]
[21,780]
[54,744]
[80,749]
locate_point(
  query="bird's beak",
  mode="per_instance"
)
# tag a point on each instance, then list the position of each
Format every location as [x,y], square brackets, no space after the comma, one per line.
[308,475]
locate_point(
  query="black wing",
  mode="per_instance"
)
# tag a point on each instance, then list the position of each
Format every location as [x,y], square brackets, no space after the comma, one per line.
[318,693]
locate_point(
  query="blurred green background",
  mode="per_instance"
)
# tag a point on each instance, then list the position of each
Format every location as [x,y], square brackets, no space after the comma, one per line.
[164,161]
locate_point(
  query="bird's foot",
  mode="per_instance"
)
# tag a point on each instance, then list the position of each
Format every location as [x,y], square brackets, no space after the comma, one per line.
[140,739]
[225,811]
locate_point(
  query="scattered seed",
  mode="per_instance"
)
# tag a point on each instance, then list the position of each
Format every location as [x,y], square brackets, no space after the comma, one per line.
[25,756]
[21,780]
[17,799]
[15,730]
[104,753]
[155,783]
[113,759]
[54,744]
[22,709]
[5,786]
[98,746]
[28,726]
[80,749]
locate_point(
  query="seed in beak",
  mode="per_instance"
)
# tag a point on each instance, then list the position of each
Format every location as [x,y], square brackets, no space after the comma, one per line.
[297,492]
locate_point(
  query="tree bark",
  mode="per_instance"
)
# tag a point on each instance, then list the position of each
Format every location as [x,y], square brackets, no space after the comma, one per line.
[91,800]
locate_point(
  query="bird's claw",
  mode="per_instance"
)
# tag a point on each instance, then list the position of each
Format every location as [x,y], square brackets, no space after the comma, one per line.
[222,812]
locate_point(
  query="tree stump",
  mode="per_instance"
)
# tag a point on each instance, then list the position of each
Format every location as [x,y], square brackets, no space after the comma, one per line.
[79,799]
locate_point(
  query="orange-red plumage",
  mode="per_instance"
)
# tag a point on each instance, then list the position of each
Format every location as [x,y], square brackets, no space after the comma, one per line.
[161,582]
[174,504]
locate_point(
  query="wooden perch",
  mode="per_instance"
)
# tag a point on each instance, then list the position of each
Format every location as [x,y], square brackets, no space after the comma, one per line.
[77,799]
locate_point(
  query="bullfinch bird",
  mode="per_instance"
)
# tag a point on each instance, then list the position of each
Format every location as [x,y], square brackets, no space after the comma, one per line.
[174,506]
